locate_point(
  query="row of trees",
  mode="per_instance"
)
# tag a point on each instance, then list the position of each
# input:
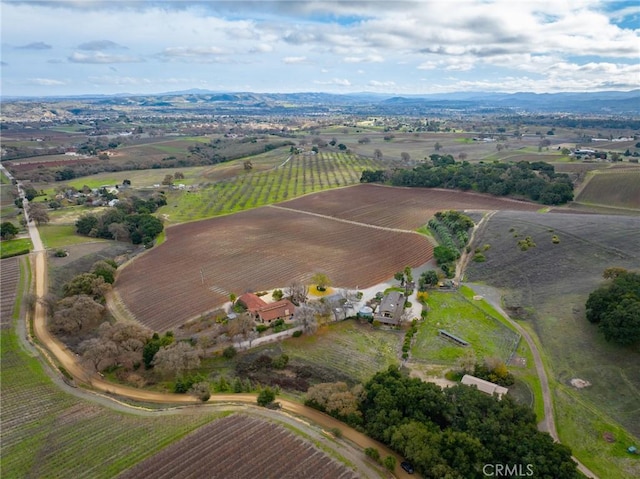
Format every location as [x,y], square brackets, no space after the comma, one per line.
[449,432]
[130,219]
[536,181]
[451,228]
[615,306]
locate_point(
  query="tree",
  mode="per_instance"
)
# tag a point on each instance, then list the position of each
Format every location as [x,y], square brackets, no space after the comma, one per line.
[297,293]
[248,166]
[129,339]
[242,325]
[96,352]
[85,224]
[405,156]
[306,317]
[38,213]
[119,231]
[201,390]
[176,358]
[178,175]
[104,270]
[428,279]
[168,180]
[8,230]
[76,314]
[377,154]
[437,146]
[266,397]
[88,284]
[321,281]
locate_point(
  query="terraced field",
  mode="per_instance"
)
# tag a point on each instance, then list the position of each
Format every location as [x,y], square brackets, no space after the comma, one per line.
[237,447]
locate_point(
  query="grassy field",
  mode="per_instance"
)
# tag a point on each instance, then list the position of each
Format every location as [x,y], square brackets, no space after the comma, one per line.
[459,315]
[547,286]
[15,247]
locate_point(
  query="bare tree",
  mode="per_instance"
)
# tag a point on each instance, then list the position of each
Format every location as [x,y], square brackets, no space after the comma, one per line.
[38,213]
[462,156]
[76,313]
[129,339]
[242,326]
[119,231]
[297,293]
[176,358]
[305,316]
[377,154]
[437,146]
[405,156]
[96,352]
[201,390]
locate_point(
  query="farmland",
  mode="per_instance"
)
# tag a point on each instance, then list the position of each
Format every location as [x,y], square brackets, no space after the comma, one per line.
[201,263]
[546,288]
[239,446]
[47,432]
[616,188]
[9,278]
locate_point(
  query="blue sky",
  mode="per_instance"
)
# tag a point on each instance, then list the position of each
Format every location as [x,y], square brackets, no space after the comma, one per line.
[400,47]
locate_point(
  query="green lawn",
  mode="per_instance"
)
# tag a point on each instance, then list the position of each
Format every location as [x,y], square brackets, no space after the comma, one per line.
[15,247]
[472,321]
[58,236]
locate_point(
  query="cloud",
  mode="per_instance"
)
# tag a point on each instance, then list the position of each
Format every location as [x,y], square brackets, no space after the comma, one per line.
[36,46]
[294,60]
[45,82]
[101,58]
[372,58]
[334,81]
[384,84]
[99,45]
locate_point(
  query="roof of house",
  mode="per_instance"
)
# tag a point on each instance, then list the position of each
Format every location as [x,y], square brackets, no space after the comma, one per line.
[279,309]
[252,301]
[392,301]
[484,386]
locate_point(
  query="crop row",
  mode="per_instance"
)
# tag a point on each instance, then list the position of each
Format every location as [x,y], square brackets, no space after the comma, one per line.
[238,446]
[9,277]
[301,174]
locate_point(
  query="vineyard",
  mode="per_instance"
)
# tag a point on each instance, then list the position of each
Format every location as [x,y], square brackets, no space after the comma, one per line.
[47,433]
[237,447]
[201,263]
[404,208]
[9,278]
[615,188]
[297,175]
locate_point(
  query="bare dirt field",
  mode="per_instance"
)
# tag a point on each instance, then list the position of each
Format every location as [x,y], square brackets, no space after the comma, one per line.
[238,446]
[394,207]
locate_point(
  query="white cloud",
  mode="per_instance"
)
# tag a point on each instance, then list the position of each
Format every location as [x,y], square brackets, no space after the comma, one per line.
[378,84]
[45,82]
[372,58]
[334,81]
[293,60]
[99,57]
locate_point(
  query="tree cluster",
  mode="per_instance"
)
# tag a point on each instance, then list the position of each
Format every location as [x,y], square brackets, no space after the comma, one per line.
[129,220]
[536,181]
[615,307]
[455,431]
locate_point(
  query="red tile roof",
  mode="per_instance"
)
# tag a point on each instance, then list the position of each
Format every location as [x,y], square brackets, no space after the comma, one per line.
[252,302]
[280,309]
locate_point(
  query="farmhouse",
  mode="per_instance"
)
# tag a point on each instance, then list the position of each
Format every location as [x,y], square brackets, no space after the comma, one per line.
[266,312]
[486,387]
[391,308]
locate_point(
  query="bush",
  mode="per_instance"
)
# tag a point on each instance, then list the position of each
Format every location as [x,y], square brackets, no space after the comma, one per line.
[373,453]
[479,258]
[336,432]
[555,239]
[297,334]
[229,352]
[266,397]
[389,462]
[261,328]
[277,294]
[60,253]
[280,362]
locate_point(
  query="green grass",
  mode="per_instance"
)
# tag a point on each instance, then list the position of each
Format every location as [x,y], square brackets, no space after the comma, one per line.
[15,247]
[584,425]
[58,236]
[477,324]
[354,349]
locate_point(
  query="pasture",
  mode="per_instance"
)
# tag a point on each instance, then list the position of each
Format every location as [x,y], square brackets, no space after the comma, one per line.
[546,287]
[240,446]
[452,311]
[15,247]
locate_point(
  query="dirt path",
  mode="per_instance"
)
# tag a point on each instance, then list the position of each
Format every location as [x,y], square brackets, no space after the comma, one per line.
[461,265]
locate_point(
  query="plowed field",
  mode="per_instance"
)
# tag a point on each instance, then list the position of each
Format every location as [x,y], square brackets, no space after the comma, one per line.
[404,208]
[359,236]
[238,447]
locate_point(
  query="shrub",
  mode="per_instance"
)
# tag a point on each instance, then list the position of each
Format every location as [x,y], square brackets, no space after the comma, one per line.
[336,432]
[479,258]
[277,294]
[555,239]
[297,334]
[280,362]
[261,328]
[373,453]
[229,352]
[389,462]
[266,397]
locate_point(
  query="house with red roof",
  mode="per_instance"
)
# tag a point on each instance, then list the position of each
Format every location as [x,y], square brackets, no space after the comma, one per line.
[265,312]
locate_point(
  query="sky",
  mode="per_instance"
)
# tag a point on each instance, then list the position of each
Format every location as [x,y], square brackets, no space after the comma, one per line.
[77,47]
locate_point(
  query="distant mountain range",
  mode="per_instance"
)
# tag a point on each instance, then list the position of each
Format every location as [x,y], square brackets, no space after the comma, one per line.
[211,102]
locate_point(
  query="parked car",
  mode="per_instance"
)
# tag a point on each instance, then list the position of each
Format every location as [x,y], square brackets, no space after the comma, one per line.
[407,467]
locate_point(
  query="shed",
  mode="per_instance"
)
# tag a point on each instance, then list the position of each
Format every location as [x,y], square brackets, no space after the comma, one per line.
[486,387]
